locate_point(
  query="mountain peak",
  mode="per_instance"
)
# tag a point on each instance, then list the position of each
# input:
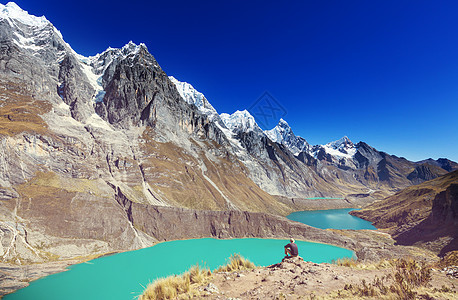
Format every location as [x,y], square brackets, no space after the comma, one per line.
[343,147]
[192,96]
[12,11]
[280,132]
[282,122]
[240,120]
[131,47]
[283,134]
[344,143]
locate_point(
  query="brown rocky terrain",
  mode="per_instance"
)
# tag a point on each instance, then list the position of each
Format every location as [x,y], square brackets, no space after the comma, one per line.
[297,279]
[425,215]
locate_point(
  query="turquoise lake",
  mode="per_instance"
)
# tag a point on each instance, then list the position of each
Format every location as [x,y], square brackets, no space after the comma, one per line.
[331,218]
[124,275]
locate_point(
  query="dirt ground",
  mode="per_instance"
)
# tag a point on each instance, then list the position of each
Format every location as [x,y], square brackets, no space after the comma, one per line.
[296,279]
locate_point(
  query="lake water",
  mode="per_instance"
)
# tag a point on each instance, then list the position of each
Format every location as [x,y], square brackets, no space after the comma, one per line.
[124,275]
[331,218]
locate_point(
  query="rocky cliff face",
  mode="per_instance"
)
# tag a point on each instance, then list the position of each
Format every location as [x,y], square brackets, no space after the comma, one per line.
[425,215]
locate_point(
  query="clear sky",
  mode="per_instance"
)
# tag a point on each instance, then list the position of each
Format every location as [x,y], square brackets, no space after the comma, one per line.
[383,72]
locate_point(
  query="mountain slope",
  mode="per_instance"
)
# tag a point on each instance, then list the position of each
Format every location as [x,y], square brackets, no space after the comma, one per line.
[81,134]
[424,214]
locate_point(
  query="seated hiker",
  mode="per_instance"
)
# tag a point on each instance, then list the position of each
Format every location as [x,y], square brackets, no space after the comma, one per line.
[291,249]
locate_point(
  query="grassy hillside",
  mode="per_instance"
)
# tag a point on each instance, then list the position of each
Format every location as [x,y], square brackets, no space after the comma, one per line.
[424,214]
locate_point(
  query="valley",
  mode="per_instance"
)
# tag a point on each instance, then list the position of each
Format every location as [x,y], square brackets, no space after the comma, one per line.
[108,154]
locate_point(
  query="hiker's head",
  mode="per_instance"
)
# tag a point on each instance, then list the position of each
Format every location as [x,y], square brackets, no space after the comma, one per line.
[291,240]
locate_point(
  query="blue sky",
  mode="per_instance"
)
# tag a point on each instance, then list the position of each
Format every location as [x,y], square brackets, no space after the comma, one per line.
[383,72]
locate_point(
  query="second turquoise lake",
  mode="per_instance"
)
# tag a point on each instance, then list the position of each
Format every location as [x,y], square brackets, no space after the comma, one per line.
[331,218]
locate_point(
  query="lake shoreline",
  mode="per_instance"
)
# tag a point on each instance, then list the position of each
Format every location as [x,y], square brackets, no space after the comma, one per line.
[312,204]
[223,225]
[331,219]
[16,277]
[105,277]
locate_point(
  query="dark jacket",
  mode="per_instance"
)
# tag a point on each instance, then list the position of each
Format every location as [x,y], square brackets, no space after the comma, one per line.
[293,248]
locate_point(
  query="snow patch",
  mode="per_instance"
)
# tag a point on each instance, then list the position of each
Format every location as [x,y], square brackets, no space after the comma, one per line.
[338,153]
[240,120]
[283,134]
[12,11]
[230,136]
[342,148]
[94,80]
[28,43]
[192,96]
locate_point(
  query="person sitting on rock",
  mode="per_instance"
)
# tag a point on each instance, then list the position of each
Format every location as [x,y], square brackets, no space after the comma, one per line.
[291,249]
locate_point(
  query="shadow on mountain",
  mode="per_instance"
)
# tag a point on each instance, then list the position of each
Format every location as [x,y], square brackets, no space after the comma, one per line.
[438,232]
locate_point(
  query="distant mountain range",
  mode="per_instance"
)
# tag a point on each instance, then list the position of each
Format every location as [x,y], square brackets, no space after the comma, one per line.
[83,138]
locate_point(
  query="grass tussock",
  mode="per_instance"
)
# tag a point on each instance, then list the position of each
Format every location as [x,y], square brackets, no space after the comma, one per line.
[347,262]
[184,286]
[236,263]
[173,287]
[409,280]
[355,264]
[450,259]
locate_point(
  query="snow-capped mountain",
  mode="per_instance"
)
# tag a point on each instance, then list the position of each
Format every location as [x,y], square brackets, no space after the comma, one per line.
[100,62]
[283,134]
[341,152]
[96,66]
[13,12]
[112,137]
[33,34]
[240,121]
[192,96]
[111,132]
[340,148]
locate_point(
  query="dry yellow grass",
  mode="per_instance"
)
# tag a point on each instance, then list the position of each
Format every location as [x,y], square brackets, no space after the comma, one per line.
[182,286]
[355,264]
[236,263]
[20,112]
[409,280]
[347,262]
[176,286]
[450,259]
